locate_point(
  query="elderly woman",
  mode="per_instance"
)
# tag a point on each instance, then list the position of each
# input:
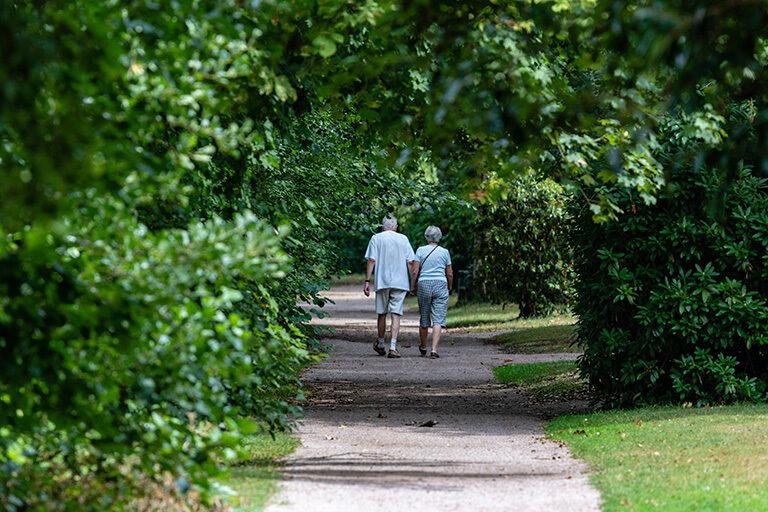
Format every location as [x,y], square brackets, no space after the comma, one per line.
[434,283]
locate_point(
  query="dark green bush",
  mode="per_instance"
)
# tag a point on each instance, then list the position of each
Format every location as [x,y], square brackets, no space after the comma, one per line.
[120,347]
[524,255]
[673,303]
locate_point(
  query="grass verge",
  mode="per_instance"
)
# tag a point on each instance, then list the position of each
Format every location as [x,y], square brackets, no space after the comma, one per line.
[538,340]
[348,279]
[255,478]
[484,317]
[556,380]
[674,458]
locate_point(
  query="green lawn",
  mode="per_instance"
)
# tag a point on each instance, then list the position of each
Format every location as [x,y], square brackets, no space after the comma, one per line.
[557,380]
[348,280]
[537,340]
[483,317]
[255,478]
[674,458]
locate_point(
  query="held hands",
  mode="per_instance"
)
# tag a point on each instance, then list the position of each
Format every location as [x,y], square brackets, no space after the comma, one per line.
[367,289]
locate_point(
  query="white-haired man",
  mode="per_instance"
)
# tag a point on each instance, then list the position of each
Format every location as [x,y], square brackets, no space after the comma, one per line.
[392,255]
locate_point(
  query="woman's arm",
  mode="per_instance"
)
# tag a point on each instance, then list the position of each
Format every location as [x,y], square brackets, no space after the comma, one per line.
[449,276]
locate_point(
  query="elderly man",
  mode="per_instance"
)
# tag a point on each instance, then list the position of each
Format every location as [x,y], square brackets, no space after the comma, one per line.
[392,255]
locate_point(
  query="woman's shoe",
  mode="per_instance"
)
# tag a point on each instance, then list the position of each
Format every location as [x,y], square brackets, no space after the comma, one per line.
[393,354]
[423,349]
[434,355]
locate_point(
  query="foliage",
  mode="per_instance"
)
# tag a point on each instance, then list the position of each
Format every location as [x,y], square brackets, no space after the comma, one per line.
[672,458]
[318,184]
[697,55]
[135,337]
[122,348]
[524,253]
[673,302]
[140,296]
[435,199]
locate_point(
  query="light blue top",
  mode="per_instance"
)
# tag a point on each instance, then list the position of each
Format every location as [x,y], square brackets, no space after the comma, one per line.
[391,251]
[433,269]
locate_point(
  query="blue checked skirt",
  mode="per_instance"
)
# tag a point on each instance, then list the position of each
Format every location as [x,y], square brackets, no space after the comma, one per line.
[433,302]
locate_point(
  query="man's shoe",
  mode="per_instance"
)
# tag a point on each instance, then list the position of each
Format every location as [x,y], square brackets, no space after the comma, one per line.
[379,350]
[393,354]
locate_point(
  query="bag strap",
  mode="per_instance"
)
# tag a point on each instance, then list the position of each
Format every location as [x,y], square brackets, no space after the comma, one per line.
[421,265]
[428,255]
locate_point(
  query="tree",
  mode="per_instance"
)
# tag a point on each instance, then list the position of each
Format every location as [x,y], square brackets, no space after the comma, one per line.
[525,256]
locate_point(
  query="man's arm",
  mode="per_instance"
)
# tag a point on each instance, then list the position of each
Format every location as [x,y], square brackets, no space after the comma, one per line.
[449,276]
[413,267]
[368,272]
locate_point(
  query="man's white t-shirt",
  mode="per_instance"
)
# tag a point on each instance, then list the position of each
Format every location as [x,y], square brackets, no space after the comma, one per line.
[392,251]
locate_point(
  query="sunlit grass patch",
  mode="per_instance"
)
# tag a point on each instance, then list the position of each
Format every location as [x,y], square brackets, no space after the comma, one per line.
[556,380]
[484,316]
[256,476]
[674,458]
[536,340]
[357,278]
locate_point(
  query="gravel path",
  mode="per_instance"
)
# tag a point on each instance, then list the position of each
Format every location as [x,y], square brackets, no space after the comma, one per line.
[364,449]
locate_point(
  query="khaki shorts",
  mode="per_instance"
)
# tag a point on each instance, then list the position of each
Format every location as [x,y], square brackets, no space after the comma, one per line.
[390,300]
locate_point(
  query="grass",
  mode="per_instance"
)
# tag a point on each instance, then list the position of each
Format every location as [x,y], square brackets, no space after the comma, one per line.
[348,279]
[556,380]
[674,458]
[538,340]
[255,478]
[484,317]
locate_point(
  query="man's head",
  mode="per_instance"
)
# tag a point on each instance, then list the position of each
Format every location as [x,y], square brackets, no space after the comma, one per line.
[389,223]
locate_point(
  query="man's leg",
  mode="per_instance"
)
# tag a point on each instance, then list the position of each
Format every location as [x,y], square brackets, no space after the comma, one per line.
[382,298]
[382,325]
[396,308]
[395,325]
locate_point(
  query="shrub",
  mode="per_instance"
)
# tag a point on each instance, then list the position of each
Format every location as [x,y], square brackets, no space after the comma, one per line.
[122,348]
[523,252]
[674,303]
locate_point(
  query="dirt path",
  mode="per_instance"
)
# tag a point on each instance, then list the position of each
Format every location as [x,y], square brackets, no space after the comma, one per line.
[363,448]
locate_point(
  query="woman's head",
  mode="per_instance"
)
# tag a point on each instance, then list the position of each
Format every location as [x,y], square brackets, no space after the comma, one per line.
[433,234]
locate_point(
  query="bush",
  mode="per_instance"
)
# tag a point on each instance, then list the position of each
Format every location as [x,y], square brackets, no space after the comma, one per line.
[673,303]
[523,250]
[124,358]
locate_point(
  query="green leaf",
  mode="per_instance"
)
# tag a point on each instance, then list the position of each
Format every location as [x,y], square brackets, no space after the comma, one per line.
[324,45]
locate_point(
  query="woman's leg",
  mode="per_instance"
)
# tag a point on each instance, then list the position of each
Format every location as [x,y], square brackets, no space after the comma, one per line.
[425,306]
[438,312]
[436,330]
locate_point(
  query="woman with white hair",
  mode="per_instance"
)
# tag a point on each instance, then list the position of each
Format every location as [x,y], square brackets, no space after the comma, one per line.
[433,286]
